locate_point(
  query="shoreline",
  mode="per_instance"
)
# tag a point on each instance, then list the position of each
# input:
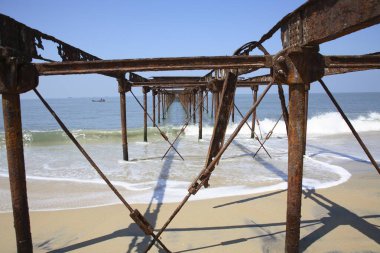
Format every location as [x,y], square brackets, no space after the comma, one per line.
[335,219]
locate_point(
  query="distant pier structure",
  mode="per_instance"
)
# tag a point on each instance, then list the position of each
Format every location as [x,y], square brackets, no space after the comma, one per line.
[298,65]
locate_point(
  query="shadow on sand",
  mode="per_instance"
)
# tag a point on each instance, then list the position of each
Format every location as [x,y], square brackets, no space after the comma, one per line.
[337,216]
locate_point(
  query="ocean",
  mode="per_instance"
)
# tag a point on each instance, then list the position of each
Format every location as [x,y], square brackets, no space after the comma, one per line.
[54,163]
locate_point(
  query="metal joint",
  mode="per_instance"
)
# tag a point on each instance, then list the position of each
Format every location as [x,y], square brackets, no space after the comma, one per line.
[140,220]
[296,65]
[17,75]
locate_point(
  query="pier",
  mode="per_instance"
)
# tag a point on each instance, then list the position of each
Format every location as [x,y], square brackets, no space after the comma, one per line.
[298,65]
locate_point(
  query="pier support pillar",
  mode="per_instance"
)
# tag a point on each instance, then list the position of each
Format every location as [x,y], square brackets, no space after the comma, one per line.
[145,91]
[123,88]
[200,111]
[307,89]
[154,93]
[233,111]
[159,108]
[16,168]
[207,101]
[212,104]
[295,165]
[255,89]
[194,95]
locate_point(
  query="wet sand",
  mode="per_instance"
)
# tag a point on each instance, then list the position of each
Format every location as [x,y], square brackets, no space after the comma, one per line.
[345,218]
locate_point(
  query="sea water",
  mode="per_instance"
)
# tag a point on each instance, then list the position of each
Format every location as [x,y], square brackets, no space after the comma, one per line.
[59,177]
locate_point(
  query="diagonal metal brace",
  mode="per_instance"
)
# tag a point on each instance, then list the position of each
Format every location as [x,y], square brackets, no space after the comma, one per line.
[182,129]
[161,132]
[257,138]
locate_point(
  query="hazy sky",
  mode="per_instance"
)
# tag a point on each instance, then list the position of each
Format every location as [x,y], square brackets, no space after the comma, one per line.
[140,29]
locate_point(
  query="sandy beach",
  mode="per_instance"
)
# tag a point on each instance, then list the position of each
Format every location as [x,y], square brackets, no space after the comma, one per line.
[345,218]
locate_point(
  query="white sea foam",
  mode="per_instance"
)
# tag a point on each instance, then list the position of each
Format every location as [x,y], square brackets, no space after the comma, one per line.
[330,123]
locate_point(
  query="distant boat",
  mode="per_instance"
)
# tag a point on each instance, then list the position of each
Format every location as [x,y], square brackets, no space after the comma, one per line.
[98,100]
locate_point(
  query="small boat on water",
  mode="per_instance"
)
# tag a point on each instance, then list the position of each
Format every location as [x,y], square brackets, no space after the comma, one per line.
[98,100]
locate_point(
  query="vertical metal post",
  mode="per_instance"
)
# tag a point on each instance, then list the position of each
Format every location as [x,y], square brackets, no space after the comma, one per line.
[255,89]
[285,113]
[212,104]
[16,168]
[307,88]
[217,98]
[123,114]
[194,101]
[207,101]
[233,111]
[163,105]
[190,105]
[295,165]
[200,111]
[154,107]
[159,108]
[145,116]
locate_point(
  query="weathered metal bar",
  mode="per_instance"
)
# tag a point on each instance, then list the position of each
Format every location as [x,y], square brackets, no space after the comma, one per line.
[305,26]
[212,104]
[222,117]
[283,106]
[307,89]
[153,64]
[207,101]
[145,91]
[16,169]
[233,112]
[194,102]
[257,138]
[139,219]
[206,172]
[295,166]
[200,111]
[123,114]
[269,134]
[255,89]
[163,105]
[159,108]
[158,128]
[364,147]
[182,130]
[154,107]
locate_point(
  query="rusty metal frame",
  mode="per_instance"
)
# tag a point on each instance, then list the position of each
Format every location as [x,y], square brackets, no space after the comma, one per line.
[297,65]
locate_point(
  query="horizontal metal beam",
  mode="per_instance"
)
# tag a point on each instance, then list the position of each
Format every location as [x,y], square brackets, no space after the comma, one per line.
[153,64]
[319,21]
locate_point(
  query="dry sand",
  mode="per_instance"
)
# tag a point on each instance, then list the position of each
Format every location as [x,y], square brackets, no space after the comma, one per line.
[345,218]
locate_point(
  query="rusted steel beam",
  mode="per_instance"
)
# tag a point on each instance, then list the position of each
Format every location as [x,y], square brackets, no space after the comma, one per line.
[145,91]
[295,166]
[255,89]
[222,117]
[368,61]
[320,21]
[364,147]
[154,106]
[159,107]
[283,107]
[307,89]
[233,111]
[16,169]
[123,113]
[194,102]
[200,111]
[207,101]
[153,64]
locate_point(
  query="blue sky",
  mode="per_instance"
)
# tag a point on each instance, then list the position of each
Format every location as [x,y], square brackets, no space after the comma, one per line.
[140,29]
